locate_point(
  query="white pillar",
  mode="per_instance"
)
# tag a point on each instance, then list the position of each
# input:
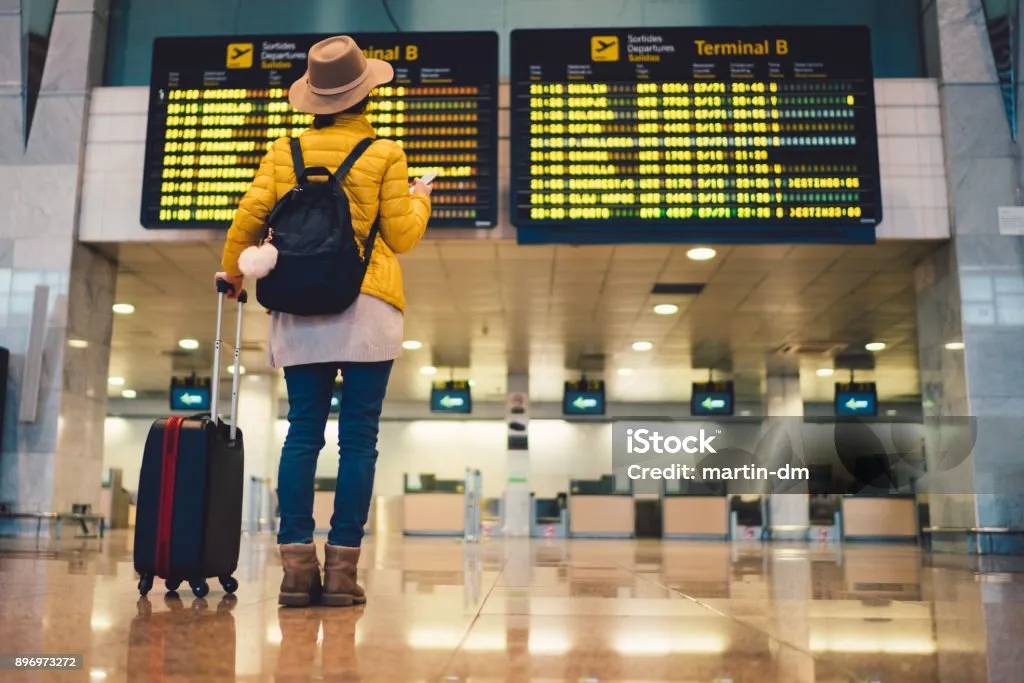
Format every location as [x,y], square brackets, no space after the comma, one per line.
[789,513]
[517,486]
[257,412]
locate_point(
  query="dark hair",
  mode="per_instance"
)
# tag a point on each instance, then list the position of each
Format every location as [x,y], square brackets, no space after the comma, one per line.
[325,120]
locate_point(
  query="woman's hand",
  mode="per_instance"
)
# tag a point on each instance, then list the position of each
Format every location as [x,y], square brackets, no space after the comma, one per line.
[235,282]
[422,188]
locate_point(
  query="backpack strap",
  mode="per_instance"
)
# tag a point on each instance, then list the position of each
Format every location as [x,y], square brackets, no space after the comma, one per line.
[352,158]
[340,175]
[297,161]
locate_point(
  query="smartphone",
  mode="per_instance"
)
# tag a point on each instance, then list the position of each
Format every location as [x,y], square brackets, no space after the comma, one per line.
[427,178]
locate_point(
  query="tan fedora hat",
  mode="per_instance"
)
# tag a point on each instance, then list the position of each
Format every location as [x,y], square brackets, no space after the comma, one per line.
[338,77]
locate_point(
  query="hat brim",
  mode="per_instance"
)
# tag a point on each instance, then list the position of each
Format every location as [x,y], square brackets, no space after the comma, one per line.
[303,99]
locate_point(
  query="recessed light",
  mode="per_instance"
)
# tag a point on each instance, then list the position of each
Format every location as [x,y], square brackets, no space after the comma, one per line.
[825,372]
[954,346]
[666,309]
[116,381]
[701,254]
[625,372]
[123,309]
[890,412]
[745,413]
[875,346]
[642,346]
[231,369]
[78,343]
[189,344]
[412,344]
[428,370]
[128,393]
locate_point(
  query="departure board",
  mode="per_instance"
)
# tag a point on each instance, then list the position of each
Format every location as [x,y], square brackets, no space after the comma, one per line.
[217,103]
[748,135]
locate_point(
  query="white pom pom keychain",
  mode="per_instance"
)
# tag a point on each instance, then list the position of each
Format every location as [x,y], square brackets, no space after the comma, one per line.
[257,262]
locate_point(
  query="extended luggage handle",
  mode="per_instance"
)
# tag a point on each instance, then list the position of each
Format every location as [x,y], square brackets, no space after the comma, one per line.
[223,287]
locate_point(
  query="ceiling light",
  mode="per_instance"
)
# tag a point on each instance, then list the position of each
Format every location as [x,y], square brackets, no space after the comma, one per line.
[412,345]
[78,343]
[231,369]
[116,381]
[128,393]
[428,370]
[701,254]
[891,412]
[954,346]
[875,346]
[625,372]
[642,346]
[123,309]
[189,344]
[825,372]
[666,309]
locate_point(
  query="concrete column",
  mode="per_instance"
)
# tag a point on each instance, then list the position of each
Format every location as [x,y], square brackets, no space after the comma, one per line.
[52,460]
[517,486]
[789,514]
[971,293]
[257,412]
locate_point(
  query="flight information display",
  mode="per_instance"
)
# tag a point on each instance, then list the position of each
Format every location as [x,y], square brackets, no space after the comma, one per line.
[694,134]
[217,103]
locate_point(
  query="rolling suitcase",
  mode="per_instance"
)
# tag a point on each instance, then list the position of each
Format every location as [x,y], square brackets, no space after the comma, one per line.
[188,523]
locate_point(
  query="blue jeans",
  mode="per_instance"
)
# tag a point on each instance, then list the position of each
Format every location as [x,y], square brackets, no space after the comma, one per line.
[309,404]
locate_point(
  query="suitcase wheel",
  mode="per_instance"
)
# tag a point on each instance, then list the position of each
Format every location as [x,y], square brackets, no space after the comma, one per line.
[229,584]
[172,585]
[200,589]
[145,584]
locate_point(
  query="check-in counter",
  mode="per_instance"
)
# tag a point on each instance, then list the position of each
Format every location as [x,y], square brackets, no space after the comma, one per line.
[694,516]
[548,516]
[880,518]
[601,509]
[433,507]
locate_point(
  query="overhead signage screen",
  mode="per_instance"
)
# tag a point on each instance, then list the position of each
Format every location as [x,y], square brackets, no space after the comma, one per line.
[584,397]
[741,135]
[712,398]
[856,398]
[190,393]
[216,103]
[453,396]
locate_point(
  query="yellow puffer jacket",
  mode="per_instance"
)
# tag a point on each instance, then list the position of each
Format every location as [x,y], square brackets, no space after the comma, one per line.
[379,182]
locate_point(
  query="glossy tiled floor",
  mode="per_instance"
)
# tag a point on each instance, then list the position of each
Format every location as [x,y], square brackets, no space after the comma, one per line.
[531,611]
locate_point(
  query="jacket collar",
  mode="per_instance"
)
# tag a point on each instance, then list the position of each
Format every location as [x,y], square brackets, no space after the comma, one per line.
[355,122]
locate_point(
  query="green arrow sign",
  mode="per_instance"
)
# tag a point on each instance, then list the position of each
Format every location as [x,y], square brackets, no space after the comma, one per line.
[854,404]
[712,403]
[188,399]
[451,402]
[583,403]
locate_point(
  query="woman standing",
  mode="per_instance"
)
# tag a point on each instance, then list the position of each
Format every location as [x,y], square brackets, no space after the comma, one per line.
[361,343]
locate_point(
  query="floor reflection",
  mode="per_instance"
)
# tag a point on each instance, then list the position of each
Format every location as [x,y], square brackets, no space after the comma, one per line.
[439,610]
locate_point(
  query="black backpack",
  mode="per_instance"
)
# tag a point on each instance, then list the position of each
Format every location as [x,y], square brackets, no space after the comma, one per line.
[319,270]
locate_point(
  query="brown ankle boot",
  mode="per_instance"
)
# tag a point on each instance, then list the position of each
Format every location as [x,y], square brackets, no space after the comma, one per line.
[301,585]
[340,587]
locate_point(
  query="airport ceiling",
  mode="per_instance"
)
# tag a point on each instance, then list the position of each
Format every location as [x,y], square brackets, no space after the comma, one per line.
[480,308]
